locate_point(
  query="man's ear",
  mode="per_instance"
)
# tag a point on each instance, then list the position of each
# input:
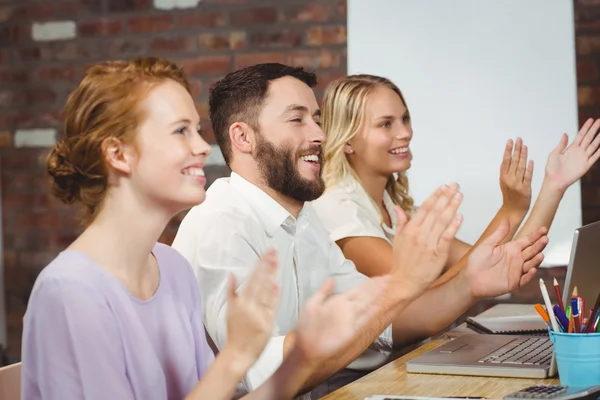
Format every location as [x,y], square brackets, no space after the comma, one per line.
[242,137]
[118,155]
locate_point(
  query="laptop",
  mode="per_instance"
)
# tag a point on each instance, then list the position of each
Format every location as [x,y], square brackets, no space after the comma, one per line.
[518,356]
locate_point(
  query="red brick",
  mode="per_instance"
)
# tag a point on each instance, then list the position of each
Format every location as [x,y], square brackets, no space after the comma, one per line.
[252,16]
[181,44]
[66,51]
[311,12]
[588,96]
[153,23]
[588,44]
[587,71]
[119,6]
[57,74]
[317,59]
[8,77]
[49,119]
[280,38]
[5,12]
[23,121]
[3,57]
[28,54]
[323,35]
[195,20]
[323,79]
[12,34]
[342,9]
[591,194]
[100,27]
[202,109]
[125,47]
[43,220]
[25,201]
[195,88]
[225,41]
[590,214]
[6,98]
[207,65]
[5,139]
[45,11]
[249,59]
[208,133]
[34,95]
[21,160]
[587,19]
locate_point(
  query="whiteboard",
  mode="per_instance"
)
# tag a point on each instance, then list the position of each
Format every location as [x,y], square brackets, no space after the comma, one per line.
[474,74]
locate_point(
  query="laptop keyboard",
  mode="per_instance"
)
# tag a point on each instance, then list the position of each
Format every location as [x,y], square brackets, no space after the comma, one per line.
[527,351]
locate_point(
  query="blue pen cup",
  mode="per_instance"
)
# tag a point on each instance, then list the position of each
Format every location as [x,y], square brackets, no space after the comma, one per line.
[577,357]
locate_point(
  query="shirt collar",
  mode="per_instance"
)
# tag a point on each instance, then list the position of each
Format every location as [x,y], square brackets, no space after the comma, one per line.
[271,214]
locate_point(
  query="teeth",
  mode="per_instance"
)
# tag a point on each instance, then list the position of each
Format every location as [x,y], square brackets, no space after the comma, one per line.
[311,158]
[193,171]
[399,150]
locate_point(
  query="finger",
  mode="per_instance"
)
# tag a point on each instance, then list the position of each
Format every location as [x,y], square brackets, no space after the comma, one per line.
[529,240]
[589,135]
[499,234]
[427,206]
[448,235]
[562,145]
[591,149]
[441,216]
[592,160]
[529,173]
[528,277]
[323,292]
[231,284]
[584,129]
[537,247]
[522,166]
[401,220]
[264,272]
[504,167]
[514,162]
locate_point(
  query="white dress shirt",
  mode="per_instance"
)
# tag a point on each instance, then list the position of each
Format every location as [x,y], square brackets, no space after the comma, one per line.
[235,225]
[346,210]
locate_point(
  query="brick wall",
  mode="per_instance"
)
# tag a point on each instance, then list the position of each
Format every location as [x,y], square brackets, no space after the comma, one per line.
[44,49]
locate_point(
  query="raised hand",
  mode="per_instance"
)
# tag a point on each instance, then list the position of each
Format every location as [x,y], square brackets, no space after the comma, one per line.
[251,312]
[566,165]
[327,324]
[495,269]
[515,177]
[421,245]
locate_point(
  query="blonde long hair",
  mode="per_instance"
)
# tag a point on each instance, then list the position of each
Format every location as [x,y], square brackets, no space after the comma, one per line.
[343,112]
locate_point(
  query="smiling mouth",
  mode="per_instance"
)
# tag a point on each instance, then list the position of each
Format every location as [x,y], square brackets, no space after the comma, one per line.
[399,150]
[310,158]
[193,171]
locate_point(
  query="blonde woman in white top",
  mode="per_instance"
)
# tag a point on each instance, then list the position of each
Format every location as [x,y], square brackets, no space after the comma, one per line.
[367,153]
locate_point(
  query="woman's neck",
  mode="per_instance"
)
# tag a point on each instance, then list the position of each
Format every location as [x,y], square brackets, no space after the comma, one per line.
[121,238]
[374,184]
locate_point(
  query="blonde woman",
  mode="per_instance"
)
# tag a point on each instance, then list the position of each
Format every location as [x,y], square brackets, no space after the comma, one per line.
[367,153]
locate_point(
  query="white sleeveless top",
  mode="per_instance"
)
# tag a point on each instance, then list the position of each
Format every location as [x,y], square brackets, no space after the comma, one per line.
[346,210]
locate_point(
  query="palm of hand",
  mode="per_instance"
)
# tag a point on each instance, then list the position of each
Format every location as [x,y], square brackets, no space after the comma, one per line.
[249,319]
[494,270]
[325,329]
[567,167]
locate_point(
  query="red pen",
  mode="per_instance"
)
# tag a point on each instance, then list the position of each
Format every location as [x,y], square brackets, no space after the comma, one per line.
[558,295]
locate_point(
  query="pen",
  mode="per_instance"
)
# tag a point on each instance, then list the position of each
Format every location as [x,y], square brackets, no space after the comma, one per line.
[581,308]
[561,317]
[558,295]
[540,309]
[571,323]
[549,309]
[575,313]
[594,313]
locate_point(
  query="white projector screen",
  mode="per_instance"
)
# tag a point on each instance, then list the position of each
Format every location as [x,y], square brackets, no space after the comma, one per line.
[474,74]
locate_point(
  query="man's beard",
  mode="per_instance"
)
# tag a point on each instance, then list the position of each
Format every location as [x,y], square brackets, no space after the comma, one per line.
[280,170]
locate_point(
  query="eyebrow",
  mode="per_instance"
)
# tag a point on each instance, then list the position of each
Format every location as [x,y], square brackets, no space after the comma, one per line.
[182,121]
[297,107]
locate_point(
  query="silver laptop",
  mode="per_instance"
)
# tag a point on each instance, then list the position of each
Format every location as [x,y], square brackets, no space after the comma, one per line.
[518,356]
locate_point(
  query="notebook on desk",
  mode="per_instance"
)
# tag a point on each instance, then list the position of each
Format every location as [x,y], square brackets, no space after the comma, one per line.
[518,356]
[530,325]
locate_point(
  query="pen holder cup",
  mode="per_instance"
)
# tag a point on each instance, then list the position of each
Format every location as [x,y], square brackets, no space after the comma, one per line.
[577,357]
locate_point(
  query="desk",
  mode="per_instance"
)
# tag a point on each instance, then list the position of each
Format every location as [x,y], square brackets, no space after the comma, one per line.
[394,380]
